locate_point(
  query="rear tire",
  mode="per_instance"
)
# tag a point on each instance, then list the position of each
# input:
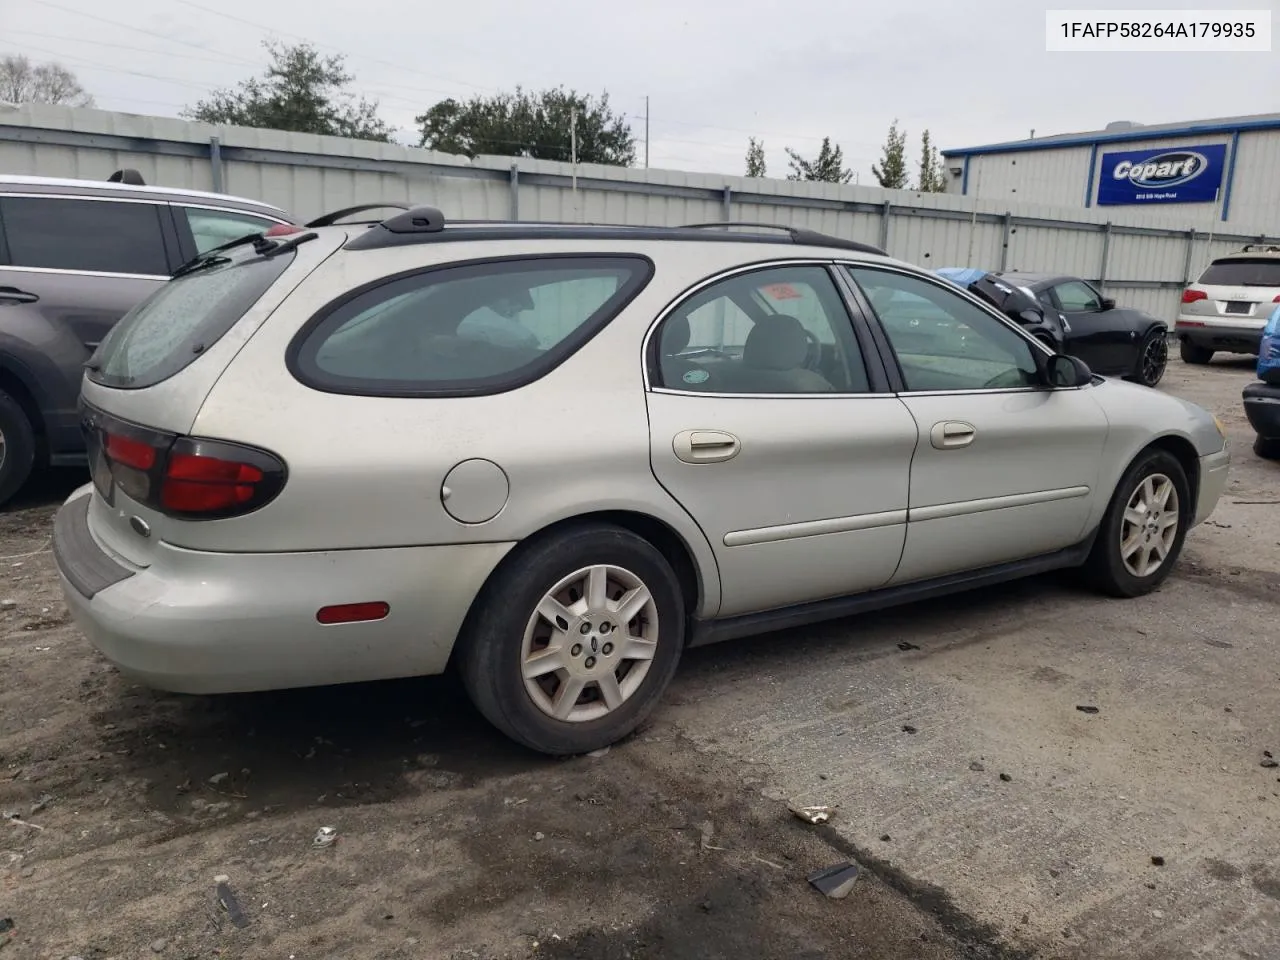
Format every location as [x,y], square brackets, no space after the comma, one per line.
[1267,448]
[1142,532]
[17,447]
[1193,354]
[550,624]
[1153,359]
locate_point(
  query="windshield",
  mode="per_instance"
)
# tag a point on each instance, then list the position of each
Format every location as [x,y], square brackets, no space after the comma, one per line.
[1243,272]
[184,318]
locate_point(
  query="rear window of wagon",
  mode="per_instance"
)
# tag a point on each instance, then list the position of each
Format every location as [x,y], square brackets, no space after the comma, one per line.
[465,329]
[166,332]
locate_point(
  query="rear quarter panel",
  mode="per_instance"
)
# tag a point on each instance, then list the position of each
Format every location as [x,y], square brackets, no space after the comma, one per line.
[368,471]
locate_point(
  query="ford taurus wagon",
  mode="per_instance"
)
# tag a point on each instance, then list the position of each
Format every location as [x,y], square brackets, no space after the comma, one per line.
[553,457]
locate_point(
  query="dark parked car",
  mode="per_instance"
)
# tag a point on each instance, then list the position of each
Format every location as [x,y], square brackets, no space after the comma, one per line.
[75,257]
[1071,316]
[1262,400]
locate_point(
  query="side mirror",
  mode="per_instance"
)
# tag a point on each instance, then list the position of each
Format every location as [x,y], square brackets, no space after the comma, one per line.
[1063,370]
[1108,303]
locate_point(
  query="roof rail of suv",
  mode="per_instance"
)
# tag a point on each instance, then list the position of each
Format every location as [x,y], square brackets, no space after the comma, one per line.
[329,219]
[427,225]
[1260,248]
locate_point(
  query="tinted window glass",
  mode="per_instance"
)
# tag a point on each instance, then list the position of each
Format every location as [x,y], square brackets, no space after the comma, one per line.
[106,236]
[781,330]
[213,228]
[1077,297]
[473,328]
[184,318]
[942,341]
[1262,272]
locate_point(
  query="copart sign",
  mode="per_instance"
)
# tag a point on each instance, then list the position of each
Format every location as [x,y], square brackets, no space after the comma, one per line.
[1167,175]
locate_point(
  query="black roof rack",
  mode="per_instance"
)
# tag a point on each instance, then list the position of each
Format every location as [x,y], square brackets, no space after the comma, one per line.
[797,234]
[129,176]
[329,219]
[427,224]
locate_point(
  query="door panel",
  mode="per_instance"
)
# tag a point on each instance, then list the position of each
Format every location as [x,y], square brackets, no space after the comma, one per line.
[1004,468]
[1098,337]
[810,501]
[1021,485]
[764,426]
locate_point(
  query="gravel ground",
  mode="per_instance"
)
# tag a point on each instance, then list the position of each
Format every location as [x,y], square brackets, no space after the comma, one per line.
[451,842]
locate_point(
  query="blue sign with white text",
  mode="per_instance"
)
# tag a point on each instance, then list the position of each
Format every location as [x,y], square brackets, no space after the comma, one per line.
[1165,175]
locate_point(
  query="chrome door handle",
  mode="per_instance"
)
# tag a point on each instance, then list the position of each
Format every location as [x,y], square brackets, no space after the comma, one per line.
[951,434]
[705,446]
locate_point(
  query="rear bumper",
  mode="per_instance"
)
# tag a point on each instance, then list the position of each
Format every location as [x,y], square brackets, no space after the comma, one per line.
[1241,336]
[1262,407]
[1213,482]
[195,622]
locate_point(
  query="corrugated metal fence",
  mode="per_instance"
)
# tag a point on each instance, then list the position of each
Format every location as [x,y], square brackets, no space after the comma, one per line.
[1141,258]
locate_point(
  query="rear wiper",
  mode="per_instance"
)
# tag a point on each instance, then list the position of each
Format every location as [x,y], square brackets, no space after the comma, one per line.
[262,245]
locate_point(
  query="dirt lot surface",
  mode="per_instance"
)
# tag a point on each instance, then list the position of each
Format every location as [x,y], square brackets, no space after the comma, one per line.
[451,842]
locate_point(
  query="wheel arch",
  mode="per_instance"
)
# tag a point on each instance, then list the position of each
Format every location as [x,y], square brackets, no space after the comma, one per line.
[15,385]
[1182,450]
[674,548]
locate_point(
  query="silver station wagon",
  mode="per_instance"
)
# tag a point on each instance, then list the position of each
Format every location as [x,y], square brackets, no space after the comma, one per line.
[552,457]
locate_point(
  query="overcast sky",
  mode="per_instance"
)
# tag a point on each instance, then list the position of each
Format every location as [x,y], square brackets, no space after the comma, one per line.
[715,72]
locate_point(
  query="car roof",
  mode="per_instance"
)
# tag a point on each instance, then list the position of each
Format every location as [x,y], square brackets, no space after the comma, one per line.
[1253,251]
[132,191]
[1032,279]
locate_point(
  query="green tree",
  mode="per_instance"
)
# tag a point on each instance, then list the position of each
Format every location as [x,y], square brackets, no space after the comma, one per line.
[21,81]
[755,158]
[301,91]
[827,167]
[540,125]
[892,170]
[933,178]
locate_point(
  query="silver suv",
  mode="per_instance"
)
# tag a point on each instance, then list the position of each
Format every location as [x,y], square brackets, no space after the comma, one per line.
[556,456]
[1226,309]
[75,256]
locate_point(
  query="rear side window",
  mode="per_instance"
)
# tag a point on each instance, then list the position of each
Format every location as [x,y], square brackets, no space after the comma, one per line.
[167,331]
[103,236]
[1244,272]
[213,228]
[474,328]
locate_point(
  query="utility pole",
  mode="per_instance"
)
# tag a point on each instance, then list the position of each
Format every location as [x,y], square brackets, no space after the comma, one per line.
[646,132]
[573,154]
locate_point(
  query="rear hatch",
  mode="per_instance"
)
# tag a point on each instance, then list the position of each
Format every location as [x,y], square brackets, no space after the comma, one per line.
[1236,290]
[146,383]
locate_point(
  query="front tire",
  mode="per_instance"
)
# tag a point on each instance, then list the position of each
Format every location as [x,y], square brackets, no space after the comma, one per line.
[1143,530]
[1153,359]
[574,640]
[17,447]
[1193,354]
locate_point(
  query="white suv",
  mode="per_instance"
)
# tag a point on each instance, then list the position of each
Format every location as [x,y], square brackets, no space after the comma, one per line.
[1226,309]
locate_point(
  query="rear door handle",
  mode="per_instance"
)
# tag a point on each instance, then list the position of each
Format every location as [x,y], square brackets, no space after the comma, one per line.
[951,434]
[14,295]
[705,446]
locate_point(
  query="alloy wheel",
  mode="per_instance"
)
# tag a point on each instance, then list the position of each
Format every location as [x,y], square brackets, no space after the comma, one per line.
[1155,357]
[1150,525]
[590,643]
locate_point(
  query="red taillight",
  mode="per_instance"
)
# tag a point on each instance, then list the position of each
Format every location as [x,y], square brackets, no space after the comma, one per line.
[129,452]
[1277,299]
[184,477]
[353,612]
[1191,296]
[282,230]
[202,484]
